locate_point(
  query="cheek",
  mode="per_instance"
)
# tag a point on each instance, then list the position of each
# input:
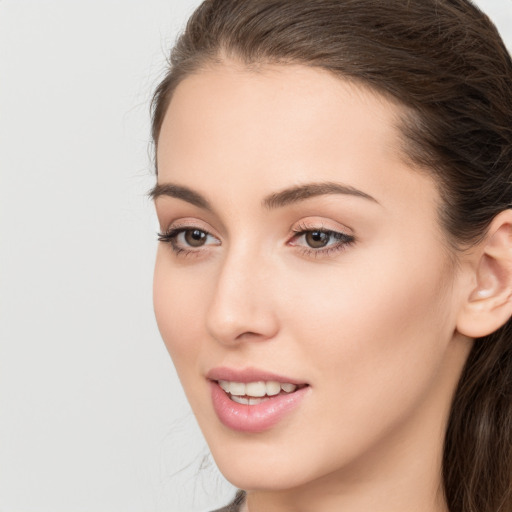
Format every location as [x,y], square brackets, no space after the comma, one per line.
[176,306]
[378,327]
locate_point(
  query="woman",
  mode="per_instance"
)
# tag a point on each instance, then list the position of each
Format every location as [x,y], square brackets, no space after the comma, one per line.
[334,277]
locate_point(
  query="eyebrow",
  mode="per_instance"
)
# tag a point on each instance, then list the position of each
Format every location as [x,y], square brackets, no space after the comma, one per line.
[277,200]
[303,192]
[179,192]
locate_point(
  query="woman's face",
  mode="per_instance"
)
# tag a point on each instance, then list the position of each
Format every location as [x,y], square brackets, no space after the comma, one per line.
[303,286]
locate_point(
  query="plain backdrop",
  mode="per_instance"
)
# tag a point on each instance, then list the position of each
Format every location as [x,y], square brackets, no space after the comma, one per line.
[92,416]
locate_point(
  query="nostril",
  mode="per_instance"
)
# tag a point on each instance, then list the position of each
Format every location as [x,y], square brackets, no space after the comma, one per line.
[248,335]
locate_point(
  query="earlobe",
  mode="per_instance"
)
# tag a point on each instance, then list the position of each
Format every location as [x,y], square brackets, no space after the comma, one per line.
[489,303]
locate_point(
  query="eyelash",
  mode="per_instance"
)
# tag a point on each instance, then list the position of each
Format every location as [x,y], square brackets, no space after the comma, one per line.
[170,237]
[343,240]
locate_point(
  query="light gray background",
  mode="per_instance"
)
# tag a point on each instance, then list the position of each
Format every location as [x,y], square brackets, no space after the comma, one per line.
[92,417]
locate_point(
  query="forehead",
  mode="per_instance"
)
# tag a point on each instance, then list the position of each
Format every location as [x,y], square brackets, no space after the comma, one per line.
[284,103]
[278,126]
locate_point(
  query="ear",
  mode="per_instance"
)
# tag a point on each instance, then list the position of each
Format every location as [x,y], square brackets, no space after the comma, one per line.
[488,305]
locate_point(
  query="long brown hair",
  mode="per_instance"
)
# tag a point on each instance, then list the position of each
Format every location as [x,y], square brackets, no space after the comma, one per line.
[444,60]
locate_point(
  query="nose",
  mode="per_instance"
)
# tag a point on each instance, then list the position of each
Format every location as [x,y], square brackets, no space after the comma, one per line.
[242,306]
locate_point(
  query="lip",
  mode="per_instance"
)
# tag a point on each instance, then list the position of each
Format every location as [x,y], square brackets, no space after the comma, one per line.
[253,418]
[249,374]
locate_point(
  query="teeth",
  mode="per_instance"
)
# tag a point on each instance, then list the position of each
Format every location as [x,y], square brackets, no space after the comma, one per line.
[237,388]
[254,390]
[273,388]
[247,401]
[257,389]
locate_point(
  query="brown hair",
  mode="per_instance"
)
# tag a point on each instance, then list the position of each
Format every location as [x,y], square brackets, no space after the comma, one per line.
[444,60]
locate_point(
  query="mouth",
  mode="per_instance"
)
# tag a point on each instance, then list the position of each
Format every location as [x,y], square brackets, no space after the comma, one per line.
[254,393]
[253,401]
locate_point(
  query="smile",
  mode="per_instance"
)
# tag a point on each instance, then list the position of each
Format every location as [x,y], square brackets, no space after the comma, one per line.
[254,393]
[252,400]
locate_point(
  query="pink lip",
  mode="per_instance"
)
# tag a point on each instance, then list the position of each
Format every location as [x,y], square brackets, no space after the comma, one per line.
[252,418]
[248,375]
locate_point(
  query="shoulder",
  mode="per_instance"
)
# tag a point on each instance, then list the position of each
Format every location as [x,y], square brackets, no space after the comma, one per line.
[235,505]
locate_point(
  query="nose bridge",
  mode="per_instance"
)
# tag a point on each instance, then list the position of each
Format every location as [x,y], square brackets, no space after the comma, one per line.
[242,306]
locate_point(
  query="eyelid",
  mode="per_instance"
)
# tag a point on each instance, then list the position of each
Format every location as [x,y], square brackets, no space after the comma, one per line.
[342,238]
[321,224]
[189,223]
[176,229]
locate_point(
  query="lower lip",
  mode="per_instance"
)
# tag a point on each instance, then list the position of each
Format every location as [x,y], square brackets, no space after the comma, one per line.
[254,418]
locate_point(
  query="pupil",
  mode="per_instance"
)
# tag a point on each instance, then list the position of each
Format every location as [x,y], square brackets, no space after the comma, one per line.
[316,239]
[195,237]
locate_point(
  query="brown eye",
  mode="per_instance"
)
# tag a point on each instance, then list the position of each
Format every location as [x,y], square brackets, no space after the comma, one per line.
[317,239]
[195,237]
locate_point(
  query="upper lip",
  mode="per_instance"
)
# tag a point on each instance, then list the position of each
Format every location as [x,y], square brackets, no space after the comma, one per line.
[249,374]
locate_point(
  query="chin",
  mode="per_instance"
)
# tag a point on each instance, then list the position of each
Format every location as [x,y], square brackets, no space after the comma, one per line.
[263,477]
[266,463]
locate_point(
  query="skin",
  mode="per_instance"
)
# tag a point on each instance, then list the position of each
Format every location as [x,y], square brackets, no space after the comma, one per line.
[371,327]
